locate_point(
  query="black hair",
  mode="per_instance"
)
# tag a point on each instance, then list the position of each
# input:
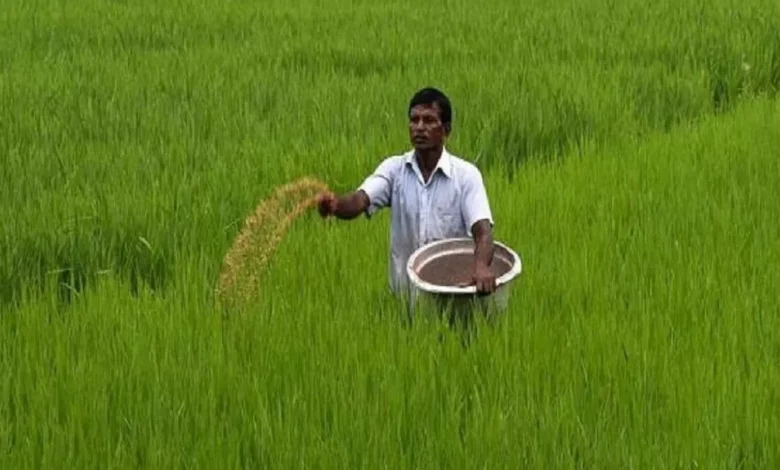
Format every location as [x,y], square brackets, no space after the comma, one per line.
[431,95]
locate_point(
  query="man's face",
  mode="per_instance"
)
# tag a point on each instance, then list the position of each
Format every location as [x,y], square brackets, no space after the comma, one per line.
[426,130]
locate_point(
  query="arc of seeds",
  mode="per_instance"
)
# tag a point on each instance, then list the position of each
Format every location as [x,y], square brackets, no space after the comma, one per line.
[262,232]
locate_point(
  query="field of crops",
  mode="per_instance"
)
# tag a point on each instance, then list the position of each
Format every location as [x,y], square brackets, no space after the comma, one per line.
[630,151]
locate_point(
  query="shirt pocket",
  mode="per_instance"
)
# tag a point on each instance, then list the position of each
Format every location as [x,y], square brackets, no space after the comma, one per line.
[446,203]
[446,212]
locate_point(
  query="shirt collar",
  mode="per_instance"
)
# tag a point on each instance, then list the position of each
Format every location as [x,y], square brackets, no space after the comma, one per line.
[444,164]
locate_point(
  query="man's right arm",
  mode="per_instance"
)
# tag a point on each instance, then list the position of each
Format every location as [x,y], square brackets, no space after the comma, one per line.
[373,194]
[351,205]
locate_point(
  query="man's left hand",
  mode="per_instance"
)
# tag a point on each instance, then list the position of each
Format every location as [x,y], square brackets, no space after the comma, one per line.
[484,279]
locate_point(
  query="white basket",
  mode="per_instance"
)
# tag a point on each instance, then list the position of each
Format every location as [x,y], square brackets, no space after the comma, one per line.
[432,251]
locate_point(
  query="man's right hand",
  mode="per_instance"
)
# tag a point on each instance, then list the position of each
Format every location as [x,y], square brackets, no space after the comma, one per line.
[327,204]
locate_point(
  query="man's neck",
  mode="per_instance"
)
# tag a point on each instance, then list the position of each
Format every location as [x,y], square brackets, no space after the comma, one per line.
[428,159]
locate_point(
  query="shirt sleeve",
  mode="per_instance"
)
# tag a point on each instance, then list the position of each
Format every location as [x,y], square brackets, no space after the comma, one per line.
[379,186]
[475,205]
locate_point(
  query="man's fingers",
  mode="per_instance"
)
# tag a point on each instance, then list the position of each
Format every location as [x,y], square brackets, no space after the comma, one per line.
[323,209]
[483,286]
[326,204]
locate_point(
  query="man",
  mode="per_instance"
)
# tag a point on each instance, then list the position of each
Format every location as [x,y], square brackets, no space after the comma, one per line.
[432,195]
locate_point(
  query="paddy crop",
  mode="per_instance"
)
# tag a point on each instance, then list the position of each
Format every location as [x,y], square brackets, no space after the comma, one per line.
[630,155]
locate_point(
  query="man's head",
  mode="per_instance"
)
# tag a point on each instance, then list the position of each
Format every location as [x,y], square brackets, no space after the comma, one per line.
[430,119]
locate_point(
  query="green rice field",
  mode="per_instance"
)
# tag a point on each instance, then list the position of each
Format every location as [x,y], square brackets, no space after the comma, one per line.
[631,152]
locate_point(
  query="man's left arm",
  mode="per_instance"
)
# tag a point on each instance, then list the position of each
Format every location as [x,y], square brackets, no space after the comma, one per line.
[483,237]
[479,219]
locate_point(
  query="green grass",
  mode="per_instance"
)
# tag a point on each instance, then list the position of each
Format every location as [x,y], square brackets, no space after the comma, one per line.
[630,153]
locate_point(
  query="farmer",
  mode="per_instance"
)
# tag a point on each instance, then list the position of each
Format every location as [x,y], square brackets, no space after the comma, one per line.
[432,194]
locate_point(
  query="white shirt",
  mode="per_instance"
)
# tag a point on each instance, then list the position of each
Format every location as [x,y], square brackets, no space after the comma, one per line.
[447,206]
